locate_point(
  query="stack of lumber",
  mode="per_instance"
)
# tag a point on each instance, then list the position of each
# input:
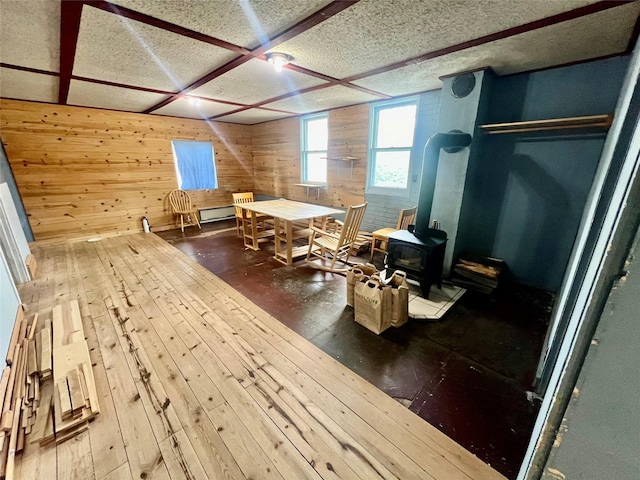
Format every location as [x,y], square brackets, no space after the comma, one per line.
[363,240]
[362,243]
[75,398]
[481,274]
[47,389]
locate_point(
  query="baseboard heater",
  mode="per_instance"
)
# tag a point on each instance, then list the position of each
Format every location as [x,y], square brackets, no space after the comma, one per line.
[214,214]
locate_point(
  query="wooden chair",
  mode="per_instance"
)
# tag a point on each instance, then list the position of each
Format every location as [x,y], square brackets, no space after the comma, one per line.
[405,219]
[245,197]
[330,247]
[181,206]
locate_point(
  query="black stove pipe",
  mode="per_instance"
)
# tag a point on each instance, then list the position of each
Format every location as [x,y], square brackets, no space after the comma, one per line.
[451,142]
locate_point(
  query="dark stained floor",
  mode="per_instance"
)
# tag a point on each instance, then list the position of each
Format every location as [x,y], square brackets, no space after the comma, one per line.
[468,374]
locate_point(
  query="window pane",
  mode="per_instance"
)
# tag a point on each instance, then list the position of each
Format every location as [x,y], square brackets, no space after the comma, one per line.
[391,169]
[195,165]
[317,134]
[396,126]
[316,168]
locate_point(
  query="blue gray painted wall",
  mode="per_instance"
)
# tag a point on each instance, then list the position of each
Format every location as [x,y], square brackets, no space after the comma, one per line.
[525,192]
[6,175]
[382,210]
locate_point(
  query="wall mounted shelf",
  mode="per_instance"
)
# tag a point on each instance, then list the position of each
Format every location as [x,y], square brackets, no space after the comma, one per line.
[568,123]
[310,186]
[344,159]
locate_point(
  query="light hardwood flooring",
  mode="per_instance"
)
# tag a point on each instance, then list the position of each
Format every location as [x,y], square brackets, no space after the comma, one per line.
[197,382]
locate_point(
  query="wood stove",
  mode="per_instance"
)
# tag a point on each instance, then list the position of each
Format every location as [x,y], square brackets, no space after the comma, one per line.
[421,258]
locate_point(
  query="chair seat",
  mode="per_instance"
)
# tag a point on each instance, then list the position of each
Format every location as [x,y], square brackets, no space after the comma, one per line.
[328,241]
[384,232]
[379,240]
[404,220]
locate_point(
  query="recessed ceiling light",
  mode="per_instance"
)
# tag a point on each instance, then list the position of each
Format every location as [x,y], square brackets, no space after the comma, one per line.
[278,60]
[195,101]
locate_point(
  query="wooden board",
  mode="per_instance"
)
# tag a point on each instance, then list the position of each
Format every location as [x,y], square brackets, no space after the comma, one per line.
[4,383]
[32,266]
[15,333]
[43,413]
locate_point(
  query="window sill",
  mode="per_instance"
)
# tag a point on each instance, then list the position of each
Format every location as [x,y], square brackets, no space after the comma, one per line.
[388,192]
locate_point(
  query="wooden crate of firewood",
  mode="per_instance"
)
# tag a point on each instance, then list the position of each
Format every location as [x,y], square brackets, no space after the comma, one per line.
[479,273]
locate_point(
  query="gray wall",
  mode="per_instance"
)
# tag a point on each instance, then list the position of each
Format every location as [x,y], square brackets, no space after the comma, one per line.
[525,195]
[6,175]
[382,210]
[600,435]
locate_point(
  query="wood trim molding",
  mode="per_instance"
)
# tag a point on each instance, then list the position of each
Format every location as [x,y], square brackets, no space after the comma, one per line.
[70,15]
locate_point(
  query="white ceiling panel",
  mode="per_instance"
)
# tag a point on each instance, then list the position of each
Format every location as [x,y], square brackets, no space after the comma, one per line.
[114,48]
[243,23]
[28,86]
[580,39]
[253,115]
[324,99]
[182,108]
[30,33]
[370,35]
[373,33]
[89,94]
[254,81]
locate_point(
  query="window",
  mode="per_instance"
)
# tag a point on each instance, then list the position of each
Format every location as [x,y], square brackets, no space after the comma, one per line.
[392,134]
[195,165]
[315,138]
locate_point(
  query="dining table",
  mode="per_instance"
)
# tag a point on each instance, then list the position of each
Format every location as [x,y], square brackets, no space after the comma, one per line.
[287,214]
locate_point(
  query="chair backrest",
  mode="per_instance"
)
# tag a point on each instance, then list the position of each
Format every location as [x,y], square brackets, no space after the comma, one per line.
[406,218]
[180,201]
[351,225]
[244,197]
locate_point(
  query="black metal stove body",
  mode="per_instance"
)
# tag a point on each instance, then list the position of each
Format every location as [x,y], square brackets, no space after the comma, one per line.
[421,258]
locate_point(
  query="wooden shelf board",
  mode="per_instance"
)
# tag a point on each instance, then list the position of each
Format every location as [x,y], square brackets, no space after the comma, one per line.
[301,233]
[591,121]
[295,252]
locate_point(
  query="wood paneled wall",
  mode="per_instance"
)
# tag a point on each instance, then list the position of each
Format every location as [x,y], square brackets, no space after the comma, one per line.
[83,171]
[276,156]
[348,136]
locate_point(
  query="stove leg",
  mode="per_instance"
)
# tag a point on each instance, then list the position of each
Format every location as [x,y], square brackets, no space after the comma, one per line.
[425,287]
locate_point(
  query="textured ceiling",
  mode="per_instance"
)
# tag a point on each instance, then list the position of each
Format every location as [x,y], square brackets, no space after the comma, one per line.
[148,55]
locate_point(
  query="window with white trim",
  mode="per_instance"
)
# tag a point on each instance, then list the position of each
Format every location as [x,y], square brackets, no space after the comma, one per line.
[195,165]
[392,134]
[314,140]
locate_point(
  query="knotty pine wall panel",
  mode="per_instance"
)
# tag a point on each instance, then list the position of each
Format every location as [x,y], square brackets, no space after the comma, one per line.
[348,136]
[82,171]
[276,158]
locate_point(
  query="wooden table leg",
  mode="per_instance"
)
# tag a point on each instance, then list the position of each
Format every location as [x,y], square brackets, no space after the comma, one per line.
[254,230]
[289,235]
[278,238]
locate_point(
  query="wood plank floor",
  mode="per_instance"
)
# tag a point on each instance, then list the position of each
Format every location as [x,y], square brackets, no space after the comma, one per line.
[196,382]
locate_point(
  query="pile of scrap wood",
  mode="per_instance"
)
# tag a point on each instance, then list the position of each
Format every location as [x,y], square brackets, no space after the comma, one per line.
[478,273]
[47,390]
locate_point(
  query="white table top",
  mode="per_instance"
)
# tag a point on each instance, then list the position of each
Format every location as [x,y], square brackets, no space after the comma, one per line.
[290,210]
